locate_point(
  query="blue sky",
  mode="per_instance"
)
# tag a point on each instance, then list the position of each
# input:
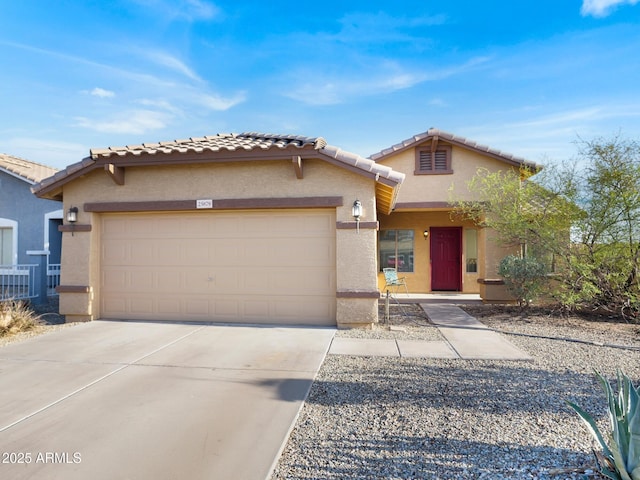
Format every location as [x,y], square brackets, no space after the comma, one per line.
[526,77]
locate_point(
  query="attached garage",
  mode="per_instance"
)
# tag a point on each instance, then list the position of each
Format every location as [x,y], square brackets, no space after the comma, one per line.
[248,228]
[273,266]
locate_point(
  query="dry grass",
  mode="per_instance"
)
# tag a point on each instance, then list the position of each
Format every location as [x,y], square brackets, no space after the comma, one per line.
[17,317]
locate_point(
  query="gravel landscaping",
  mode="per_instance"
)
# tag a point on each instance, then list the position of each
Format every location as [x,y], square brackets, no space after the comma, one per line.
[401,418]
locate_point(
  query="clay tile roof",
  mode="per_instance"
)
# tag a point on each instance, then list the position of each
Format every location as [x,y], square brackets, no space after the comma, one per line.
[380,171]
[213,143]
[229,142]
[455,139]
[30,172]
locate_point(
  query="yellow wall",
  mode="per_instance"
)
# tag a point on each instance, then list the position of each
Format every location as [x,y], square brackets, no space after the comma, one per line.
[419,281]
[440,188]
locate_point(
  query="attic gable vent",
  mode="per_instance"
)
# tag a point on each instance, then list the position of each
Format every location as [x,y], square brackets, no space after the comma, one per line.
[438,162]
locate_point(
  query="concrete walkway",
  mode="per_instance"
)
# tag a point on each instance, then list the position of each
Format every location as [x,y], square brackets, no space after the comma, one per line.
[465,337]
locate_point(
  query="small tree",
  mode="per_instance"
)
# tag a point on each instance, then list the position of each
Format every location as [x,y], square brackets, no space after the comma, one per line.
[605,258]
[530,218]
[585,214]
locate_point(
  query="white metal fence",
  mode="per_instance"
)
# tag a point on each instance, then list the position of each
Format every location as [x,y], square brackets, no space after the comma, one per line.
[53,278]
[20,282]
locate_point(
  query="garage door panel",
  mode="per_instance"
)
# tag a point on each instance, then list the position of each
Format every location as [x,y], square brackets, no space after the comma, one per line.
[225,226]
[116,252]
[198,307]
[169,283]
[225,309]
[141,305]
[141,281]
[115,226]
[164,251]
[224,252]
[115,278]
[115,304]
[257,252]
[169,306]
[259,267]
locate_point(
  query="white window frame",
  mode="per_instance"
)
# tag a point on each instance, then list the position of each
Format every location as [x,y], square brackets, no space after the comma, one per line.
[7,223]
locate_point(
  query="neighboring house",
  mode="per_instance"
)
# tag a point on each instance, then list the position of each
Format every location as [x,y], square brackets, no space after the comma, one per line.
[431,248]
[27,223]
[260,228]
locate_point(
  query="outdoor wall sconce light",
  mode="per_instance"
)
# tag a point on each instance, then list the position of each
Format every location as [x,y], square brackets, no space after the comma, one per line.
[72,215]
[72,218]
[356,212]
[425,234]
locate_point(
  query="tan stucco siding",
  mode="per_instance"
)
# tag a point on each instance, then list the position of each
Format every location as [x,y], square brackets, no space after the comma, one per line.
[440,188]
[355,251]
[228,180]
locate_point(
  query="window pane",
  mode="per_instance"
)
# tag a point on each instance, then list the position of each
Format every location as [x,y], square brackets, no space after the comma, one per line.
[405,251]
[387,247]
[6,246]
[471,249]
[396,249]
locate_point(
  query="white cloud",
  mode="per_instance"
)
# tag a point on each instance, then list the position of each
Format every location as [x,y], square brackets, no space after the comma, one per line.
[437,102]
[200,10]
[570,117]
[190,10]
[602,8]
[102,93]
[384,77]
[218,103]
[160,105]
[132,122]
[381,27]
[173,63]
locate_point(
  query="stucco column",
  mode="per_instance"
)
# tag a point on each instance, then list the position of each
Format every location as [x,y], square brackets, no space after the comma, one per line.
[357,289]
[75,289]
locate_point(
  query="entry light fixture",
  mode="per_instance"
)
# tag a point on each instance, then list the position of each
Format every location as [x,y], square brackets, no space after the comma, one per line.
[72,215]
[425,234]
[356,212]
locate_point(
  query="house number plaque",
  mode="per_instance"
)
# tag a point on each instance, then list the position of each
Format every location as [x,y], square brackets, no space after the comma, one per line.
[204,203]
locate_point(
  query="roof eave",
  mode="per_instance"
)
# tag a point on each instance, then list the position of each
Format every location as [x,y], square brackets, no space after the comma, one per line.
[17,175]
[461,142]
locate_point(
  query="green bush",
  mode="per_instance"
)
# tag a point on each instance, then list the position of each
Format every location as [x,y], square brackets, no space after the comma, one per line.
[620,458]
[16,316]
[525,278]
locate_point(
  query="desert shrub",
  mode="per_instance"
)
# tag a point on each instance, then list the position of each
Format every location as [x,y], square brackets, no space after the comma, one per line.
[525,278]
[16,316]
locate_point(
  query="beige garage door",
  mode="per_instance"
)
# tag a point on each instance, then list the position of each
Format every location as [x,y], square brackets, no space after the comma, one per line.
[275,266]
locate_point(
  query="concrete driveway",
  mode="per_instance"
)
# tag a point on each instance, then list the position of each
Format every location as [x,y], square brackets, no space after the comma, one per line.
[125,400]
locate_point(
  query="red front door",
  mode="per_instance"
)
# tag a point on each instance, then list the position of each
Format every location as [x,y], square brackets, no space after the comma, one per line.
[446,258]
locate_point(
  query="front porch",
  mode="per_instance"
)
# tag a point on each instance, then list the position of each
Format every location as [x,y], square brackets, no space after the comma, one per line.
[453,298]
[432,250]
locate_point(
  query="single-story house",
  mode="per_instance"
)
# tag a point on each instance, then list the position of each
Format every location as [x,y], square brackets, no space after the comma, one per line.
[27,223]
[265,228]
